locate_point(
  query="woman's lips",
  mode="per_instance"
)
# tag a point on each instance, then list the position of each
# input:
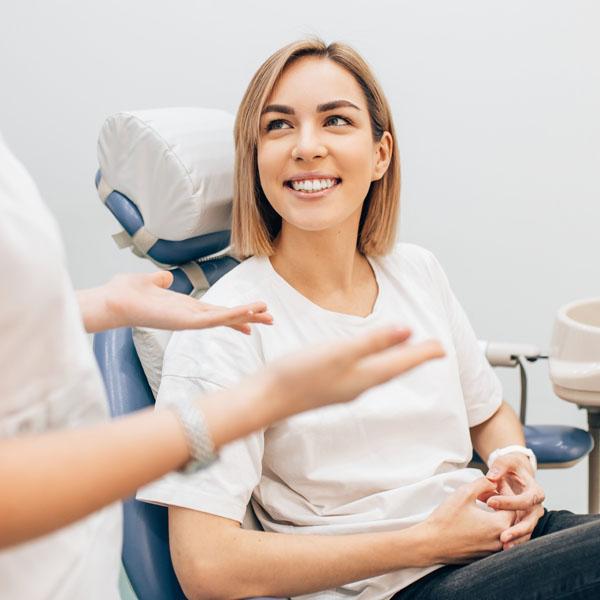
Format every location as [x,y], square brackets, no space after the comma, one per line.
[311,195]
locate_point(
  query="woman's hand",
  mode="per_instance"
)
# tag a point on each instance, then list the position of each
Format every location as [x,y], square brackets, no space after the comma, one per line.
[461,531]
[519,491]
[144,300]
[341,371]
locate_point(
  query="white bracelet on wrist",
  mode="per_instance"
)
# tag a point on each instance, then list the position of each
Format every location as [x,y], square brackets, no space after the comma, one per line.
[514,448]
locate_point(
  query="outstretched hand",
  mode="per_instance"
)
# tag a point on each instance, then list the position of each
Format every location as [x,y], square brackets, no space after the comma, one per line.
[144,300]
[341,371]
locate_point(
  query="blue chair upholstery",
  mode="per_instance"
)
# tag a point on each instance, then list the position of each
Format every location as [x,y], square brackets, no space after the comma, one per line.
[554,446]
[163,251]
[146,556]
[558,446]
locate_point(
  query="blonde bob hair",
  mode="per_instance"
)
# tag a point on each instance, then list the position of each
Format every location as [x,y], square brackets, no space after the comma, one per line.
[255,224]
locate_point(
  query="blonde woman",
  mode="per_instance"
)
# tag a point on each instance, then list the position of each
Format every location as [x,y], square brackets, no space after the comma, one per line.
[61,463]
[372,498]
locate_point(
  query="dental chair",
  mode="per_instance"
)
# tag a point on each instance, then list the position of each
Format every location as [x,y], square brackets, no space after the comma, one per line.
[167,177]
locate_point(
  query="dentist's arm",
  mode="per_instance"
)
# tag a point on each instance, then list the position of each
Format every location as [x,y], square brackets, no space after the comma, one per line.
[53,479]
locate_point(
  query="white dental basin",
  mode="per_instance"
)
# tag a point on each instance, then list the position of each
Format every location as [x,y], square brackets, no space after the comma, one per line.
[575,353]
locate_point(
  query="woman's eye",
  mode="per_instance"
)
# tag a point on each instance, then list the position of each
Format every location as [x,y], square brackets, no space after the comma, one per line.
[337,121]
[277,124]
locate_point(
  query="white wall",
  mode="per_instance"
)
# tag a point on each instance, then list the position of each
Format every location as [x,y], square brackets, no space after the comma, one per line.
[497,113]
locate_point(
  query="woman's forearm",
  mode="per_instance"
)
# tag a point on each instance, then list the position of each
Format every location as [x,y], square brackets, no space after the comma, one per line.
[214,558]
[225,562]
[502,429]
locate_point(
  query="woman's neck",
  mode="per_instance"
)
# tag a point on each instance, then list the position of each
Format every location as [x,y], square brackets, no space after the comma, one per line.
[326,267]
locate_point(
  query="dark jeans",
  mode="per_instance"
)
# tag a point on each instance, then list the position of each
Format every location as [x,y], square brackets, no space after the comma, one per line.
[561,561]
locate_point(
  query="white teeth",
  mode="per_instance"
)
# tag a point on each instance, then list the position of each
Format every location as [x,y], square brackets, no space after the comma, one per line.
[312,185]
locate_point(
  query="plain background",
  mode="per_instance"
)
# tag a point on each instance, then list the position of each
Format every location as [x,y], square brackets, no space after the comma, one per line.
[497,110]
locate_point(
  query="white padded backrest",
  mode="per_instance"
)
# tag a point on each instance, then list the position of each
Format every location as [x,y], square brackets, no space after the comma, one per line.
[150,345]
[175,164]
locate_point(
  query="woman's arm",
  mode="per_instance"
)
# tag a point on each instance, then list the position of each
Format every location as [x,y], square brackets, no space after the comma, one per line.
[502,429]
[56,478]
[145,300]
[214,558]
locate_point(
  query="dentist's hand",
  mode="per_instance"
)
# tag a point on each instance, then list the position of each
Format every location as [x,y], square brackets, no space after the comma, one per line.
[144,300]
[312,378]
[340,371]
[519,491]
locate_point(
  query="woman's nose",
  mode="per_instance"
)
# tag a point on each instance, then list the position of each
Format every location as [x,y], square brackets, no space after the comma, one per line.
[308,146]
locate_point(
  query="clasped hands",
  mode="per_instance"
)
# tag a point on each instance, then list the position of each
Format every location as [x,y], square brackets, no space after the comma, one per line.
[518,491]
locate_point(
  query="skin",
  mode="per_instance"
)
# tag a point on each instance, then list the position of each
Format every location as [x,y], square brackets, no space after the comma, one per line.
[113,459]
[328,268]
[139,299]
[316,252]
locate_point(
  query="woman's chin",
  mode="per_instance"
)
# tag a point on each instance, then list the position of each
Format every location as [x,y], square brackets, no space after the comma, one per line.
[315,225]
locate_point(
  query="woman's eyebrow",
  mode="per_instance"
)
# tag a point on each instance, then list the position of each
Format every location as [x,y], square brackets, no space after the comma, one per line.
[336,104]
[280,108]
[288,110]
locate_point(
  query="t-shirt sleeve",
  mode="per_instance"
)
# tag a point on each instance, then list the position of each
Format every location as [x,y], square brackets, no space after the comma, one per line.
[199,363]
[481,387]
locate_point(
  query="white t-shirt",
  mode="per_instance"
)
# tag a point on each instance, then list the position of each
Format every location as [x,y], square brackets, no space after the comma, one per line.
[381,462]
[49,381]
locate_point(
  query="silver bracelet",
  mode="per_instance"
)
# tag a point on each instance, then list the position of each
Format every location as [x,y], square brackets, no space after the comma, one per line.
[202,448]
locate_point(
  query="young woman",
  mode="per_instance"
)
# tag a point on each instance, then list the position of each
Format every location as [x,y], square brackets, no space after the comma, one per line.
[372,498]
[60,461]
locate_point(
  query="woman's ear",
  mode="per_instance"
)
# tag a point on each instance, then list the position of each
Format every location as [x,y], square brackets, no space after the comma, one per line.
[383,155]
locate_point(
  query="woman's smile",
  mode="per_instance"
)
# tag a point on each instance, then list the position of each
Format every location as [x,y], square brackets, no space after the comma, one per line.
[311,186]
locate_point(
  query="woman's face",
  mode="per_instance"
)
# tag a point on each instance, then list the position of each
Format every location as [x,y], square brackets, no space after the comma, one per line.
[316,154]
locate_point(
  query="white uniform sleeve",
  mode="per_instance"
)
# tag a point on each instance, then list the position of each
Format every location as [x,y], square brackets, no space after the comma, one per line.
[197,363]
[481,387]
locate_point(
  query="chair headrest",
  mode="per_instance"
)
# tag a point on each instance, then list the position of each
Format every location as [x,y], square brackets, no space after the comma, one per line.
[168,174]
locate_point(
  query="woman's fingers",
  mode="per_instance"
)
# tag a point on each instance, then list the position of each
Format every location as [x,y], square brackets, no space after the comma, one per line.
[516,542]
[497,471]
[532,496]
[472,491]
[523,529]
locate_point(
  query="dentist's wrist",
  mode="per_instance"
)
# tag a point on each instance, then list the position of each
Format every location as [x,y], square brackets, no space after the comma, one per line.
[97,309]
